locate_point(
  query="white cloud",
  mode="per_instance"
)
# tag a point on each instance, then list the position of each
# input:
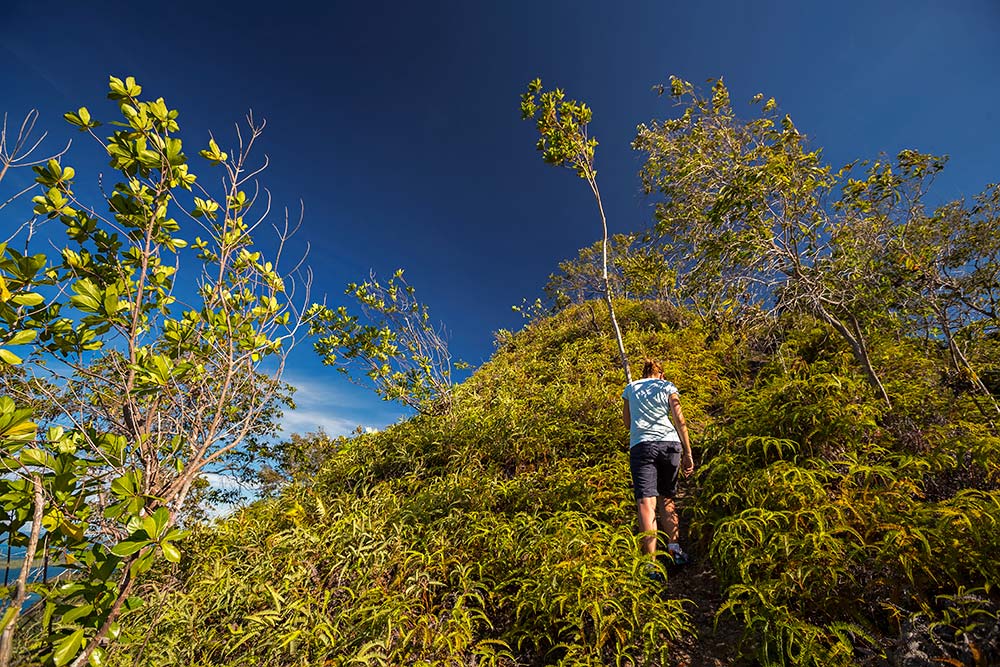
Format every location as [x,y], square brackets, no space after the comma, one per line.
[227,482]
[311,390]
[247,494]
[331,405]
[303,420]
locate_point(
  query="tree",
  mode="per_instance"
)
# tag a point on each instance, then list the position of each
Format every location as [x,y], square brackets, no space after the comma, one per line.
[24,501]
[296,460]
[564,142]
[745,212]
[637,269]
[754,218]
[945,265]
[159,380]
[392,344]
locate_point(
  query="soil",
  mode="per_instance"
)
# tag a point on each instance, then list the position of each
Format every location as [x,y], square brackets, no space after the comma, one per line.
[717,639]
[715,642]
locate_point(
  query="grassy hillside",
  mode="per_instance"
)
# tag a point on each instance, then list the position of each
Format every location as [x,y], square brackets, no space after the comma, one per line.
[504,533]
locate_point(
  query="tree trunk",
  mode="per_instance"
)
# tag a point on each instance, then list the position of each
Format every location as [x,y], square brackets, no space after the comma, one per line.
[607,283]
[125,589]
[618,333]
[7,638]
[859,349]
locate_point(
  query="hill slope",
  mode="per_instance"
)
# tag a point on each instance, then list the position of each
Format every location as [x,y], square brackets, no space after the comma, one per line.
[825,526]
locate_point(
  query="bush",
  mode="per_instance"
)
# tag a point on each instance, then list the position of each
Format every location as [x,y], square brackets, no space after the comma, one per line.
[503,532]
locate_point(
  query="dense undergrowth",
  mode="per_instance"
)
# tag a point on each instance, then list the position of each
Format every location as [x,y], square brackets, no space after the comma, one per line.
[503,533]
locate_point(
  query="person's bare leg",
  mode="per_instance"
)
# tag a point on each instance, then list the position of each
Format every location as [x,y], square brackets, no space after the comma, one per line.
[647,524]
[668,515]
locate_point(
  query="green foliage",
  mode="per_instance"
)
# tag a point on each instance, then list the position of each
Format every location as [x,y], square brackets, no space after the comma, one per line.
[813,498]
[562,126]
[504,533]
[849,486]
[501,534]
[148,382]
[402,354]
[564,142]
[755,218]
[637,270]
[747,209]
[741,200]
[296,460]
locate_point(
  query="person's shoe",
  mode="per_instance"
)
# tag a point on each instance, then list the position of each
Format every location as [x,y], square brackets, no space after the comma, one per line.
[678,556]
[653,574]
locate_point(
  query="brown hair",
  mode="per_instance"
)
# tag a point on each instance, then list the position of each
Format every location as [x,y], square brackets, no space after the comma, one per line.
[651,367]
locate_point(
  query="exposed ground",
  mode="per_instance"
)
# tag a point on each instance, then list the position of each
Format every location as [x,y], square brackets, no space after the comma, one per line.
[716,643]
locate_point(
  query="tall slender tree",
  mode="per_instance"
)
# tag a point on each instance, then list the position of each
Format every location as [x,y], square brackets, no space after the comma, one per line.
[564,141]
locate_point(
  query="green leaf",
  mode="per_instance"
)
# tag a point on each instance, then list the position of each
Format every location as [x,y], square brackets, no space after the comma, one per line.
[149,526]
[128,547]
[213,154]
[126,485]
[97,658]
[71,616]
[142,564]
[36,457]
[9,357]
[176,534]
[132,603]
[88,296]
[8,616]
[22,337]
[111,301]
[67,648]
[114,511]
[161,517]
[28,299]
[171,552]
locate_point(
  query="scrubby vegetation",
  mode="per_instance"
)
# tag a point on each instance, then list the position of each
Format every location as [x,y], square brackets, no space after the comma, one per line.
[833,336]
[503,533]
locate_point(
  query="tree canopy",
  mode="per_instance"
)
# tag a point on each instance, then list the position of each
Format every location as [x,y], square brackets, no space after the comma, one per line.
[156,333]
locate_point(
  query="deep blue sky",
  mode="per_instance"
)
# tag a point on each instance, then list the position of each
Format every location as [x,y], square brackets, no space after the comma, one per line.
[397,123]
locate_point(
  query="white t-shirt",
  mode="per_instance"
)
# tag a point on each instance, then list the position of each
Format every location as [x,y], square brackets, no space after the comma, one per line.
[649,405]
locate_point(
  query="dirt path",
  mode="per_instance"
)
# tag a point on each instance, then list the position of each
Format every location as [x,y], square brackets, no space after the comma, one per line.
[712,645]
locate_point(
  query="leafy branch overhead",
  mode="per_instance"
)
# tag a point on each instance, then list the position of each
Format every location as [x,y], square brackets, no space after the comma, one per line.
[143,349]
[564,142]
[562,127]
[637,269]
[392,343]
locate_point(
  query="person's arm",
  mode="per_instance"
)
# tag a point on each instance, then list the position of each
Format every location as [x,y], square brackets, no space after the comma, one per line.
[627,418]
[687,461]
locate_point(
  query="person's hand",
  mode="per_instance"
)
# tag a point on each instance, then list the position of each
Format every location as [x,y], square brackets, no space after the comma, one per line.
[687,464]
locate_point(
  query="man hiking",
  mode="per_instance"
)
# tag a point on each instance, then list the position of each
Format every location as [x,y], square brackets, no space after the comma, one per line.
[659,447]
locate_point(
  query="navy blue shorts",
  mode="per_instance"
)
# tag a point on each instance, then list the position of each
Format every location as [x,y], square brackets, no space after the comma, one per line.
[654,467]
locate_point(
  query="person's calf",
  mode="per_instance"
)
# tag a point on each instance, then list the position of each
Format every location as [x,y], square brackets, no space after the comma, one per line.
[647,524]
[668,512]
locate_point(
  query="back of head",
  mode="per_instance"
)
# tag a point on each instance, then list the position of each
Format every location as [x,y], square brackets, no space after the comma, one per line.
[651,368]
